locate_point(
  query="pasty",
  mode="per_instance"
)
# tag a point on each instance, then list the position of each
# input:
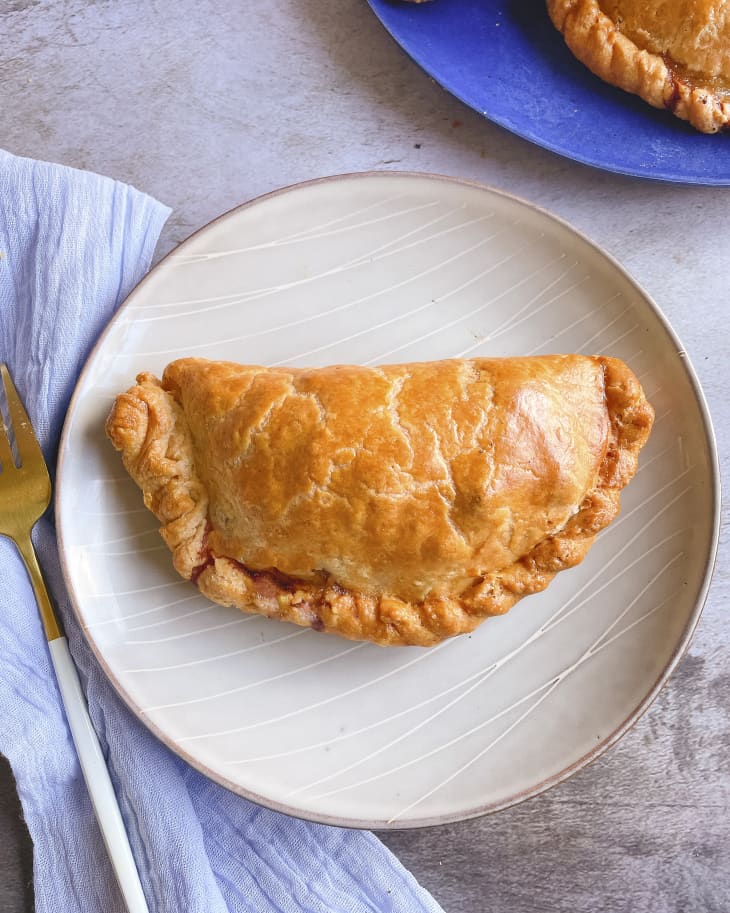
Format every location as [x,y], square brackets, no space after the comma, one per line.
[401,504]
[675,54]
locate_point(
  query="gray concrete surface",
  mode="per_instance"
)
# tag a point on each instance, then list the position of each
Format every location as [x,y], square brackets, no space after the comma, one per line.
[205,104]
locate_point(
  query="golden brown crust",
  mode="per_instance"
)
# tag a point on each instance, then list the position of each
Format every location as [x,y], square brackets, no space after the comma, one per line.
[401,504]
[150,430]
[674,54]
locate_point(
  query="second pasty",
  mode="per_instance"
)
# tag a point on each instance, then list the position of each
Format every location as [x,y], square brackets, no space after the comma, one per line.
[401,504]
[675,54]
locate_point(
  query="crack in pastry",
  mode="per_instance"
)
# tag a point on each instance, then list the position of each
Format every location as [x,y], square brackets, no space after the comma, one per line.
[674,54]
[402,504]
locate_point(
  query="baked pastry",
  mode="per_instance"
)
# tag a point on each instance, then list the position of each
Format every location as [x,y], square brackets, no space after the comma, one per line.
[675,54]
[402,504]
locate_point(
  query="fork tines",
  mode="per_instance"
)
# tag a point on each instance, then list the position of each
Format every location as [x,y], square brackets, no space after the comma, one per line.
[27,445]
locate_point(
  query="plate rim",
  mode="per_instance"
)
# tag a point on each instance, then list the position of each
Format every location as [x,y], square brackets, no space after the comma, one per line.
[531,137]
[542,786]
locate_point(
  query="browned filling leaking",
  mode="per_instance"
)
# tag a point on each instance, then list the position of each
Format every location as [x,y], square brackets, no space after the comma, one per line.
[683,76]
[269,583]
[198,569]
[673,100]
[271,576]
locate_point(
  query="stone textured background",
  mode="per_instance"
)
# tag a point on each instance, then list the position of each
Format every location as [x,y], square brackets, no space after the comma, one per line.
[206,104]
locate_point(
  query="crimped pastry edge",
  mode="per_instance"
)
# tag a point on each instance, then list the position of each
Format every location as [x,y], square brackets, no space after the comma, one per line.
[596,42]
[150,429]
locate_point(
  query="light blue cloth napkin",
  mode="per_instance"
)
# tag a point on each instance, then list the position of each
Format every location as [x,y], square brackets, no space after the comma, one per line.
[72,245]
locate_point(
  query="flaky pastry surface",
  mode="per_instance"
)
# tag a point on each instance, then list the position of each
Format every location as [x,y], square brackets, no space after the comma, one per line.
[675,54]
[401,504]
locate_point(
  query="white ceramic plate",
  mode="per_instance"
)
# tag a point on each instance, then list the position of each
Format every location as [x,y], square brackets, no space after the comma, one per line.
[384,268]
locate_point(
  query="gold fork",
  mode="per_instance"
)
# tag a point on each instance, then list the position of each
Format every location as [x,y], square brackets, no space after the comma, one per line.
[25,493]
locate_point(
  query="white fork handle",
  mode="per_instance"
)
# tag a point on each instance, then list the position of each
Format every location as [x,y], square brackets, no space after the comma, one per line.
[97,777]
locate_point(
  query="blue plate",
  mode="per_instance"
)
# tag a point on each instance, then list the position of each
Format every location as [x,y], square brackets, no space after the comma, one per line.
[505,60]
